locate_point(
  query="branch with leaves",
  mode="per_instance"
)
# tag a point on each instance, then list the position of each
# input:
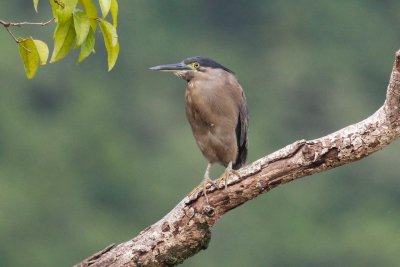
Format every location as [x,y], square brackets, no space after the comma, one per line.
[186,229]
[76,22]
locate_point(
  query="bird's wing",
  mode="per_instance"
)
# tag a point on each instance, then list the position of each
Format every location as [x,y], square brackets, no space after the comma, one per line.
[241,133]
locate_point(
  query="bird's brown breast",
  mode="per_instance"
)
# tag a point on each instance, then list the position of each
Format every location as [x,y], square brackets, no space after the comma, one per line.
[213,123]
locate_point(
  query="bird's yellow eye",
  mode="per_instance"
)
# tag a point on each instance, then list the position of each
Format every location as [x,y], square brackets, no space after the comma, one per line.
[196,65]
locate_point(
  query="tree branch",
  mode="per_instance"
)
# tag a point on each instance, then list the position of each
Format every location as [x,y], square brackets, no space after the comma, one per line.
[8,24]
[24,23]
[185,230]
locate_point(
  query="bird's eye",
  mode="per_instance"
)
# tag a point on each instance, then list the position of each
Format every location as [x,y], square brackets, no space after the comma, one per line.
[196,65]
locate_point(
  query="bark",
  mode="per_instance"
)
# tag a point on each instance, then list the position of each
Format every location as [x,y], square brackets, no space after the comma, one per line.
[185,230]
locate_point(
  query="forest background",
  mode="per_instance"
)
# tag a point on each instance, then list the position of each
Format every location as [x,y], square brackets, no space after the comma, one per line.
[89,158]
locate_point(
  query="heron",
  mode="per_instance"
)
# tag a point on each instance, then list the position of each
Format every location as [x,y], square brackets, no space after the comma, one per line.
[216,109]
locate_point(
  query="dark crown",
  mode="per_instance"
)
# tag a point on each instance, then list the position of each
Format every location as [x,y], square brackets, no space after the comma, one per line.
[206,62]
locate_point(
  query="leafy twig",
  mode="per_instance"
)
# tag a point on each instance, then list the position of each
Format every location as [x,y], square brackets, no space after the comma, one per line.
[8,24]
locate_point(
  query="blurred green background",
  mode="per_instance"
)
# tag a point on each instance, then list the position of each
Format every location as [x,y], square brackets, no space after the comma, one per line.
[89,158]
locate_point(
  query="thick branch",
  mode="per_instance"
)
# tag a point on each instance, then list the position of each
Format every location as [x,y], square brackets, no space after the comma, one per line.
[186,229]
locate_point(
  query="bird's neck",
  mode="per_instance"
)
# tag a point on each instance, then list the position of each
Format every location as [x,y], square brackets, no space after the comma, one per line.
[188,76]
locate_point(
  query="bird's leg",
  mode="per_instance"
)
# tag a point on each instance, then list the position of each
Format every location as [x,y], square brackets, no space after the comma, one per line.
[206,180]
[224,176]
[203,184]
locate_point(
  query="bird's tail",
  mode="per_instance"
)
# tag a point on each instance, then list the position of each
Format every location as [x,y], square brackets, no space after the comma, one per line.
[241,157]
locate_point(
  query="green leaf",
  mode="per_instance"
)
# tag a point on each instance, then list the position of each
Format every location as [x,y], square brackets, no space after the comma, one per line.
[63,9]
[29,55]
[54,8]
[64,36]
[82,26]
[109,33]
[105,7]
[88,46]
[110,41]
[91,12]
[43,51]
[35,5]
[112,56]
[114,12]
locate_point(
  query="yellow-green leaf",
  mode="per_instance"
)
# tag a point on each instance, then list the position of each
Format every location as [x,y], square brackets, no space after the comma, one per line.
[82,26]
[112,56]
[63,9]
[29,55]
[91,12]
[43,51]
[105,7]
[35,5]
[54,8]
[88,46]
[109,32]
[110,41]
[64,37]
[114,12]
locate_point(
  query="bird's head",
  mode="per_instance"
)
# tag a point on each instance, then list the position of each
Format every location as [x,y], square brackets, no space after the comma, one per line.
[190,67]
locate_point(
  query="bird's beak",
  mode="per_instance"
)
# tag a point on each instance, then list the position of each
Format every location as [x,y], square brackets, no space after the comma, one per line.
[172,67]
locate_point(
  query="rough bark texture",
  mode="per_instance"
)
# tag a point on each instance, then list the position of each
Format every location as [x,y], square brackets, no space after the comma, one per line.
[186,229]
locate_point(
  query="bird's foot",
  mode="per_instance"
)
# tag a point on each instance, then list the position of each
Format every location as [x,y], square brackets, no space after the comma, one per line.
[205,183]
[203,186]
[224,178]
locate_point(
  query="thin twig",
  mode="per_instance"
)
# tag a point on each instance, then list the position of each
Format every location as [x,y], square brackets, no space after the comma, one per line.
[13,36]
[17,41]
[7,24]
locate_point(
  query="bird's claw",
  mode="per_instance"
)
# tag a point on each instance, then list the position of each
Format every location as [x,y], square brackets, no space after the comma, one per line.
[224,178]
[202,187]
[209,181]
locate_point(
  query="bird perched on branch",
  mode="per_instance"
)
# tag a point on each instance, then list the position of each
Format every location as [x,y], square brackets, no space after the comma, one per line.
[216,109]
